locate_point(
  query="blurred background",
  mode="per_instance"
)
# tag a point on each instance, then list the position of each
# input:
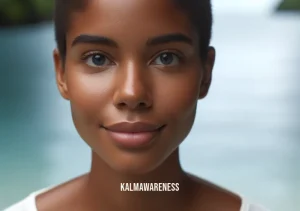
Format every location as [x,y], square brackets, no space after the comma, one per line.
[247,131]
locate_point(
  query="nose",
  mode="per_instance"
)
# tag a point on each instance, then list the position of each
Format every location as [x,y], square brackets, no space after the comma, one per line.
[132,90]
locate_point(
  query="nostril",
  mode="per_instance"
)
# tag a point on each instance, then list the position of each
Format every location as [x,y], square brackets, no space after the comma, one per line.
[122,105]
[133,105]
[143,104]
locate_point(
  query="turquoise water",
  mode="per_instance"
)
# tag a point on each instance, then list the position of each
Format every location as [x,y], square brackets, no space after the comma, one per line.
[246,134]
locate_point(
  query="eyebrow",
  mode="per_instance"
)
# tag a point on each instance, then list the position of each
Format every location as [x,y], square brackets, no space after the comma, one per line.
[92,39]
[168,38]
[162,39]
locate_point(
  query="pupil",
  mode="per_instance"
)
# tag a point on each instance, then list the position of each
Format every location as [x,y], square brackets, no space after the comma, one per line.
[166,58]
[98,59]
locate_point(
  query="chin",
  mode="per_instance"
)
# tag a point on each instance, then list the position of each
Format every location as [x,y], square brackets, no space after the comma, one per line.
[135,164]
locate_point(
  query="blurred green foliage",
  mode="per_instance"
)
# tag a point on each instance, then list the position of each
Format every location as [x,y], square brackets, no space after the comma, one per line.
[290,5]
[18,12]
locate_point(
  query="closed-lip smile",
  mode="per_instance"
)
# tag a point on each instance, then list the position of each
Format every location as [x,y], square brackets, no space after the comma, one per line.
[135,127]
[133,135]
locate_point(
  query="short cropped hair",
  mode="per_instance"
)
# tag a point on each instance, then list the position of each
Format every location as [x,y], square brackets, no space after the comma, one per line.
[199,12]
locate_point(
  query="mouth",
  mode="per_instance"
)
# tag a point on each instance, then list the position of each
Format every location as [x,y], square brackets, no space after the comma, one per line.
[133,135]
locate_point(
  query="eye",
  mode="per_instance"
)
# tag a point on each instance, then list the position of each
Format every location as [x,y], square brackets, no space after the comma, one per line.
[96,60]
[167,59]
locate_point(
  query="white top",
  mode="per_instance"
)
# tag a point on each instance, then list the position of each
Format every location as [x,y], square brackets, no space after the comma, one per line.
[28,204]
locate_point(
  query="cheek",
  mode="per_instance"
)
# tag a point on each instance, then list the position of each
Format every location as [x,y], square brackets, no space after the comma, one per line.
[88,94]
[177,104]
[178,98]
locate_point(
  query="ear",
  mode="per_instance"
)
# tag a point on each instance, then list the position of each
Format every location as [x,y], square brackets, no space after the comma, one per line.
[60,74]
[207,73]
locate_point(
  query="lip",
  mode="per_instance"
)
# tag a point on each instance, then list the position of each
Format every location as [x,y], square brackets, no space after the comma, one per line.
[134,127]
[133,135]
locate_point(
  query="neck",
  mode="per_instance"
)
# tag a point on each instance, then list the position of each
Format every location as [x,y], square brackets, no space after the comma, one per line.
[104,186]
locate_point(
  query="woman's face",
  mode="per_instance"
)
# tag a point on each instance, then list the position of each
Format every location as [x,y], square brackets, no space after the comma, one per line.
[133,76]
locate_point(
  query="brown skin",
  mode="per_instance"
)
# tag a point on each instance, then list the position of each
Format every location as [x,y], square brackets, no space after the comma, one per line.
[133,85]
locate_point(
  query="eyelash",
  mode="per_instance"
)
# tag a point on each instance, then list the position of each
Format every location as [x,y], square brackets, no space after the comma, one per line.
[85,56]
[174,52]
[180,56]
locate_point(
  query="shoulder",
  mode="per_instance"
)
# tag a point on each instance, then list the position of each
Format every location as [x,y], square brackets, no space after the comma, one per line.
[43,196]
[27,204]
[209,196]
[251,207]
[214,197]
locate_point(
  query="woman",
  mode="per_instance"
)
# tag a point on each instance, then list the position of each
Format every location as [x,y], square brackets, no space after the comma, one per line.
[134,72]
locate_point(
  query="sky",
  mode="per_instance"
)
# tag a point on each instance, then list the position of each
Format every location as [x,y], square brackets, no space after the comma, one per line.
[244,6]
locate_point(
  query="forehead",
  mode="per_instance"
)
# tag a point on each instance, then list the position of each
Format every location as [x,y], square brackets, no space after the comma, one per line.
[134,20]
